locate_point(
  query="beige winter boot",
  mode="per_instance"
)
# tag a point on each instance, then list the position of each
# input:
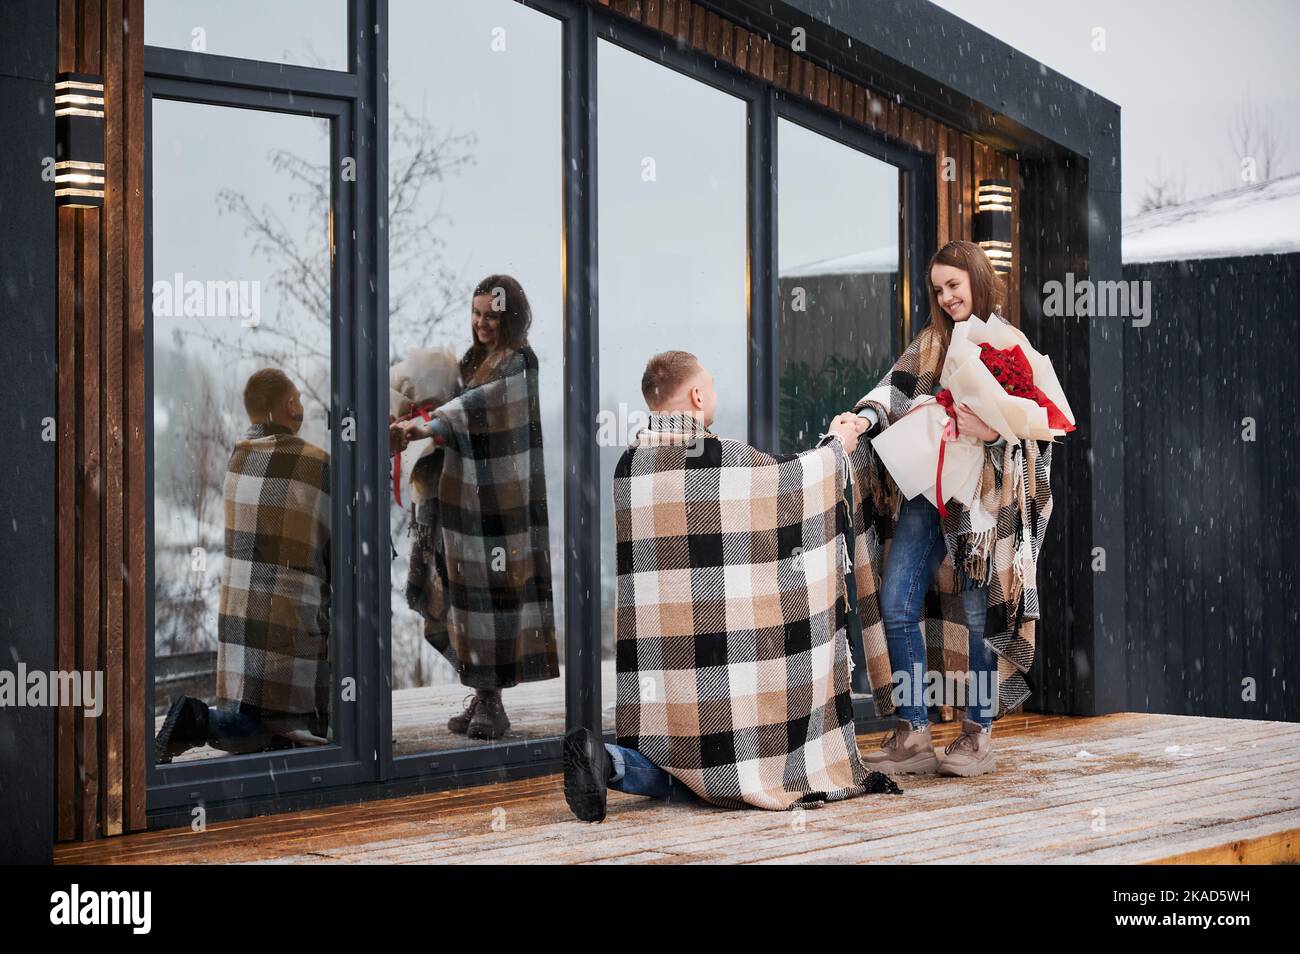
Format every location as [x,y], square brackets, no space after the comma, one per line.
[971,753]
[905,751]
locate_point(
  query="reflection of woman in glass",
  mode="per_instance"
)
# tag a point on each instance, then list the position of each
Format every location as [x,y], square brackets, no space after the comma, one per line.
[480,566]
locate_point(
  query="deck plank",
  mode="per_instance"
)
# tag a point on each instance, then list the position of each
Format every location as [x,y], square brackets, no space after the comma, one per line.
[1172,787]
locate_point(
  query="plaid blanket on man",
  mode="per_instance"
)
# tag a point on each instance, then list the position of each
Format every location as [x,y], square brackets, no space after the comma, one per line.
[273,628]
[732,654]
[495,534]
[1014,489]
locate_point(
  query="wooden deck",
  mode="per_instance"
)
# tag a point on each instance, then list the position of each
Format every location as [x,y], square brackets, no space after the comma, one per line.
[1126,788]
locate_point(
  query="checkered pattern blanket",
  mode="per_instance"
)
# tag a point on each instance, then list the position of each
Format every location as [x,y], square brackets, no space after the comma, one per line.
[273,628]
[1014,489]
[732,655]
[495,534]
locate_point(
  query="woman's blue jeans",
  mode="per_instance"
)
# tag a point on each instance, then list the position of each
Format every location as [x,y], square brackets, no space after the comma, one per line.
[915,554]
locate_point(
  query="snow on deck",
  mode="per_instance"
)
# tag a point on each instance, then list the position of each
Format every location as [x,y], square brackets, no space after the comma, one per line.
[1123,788]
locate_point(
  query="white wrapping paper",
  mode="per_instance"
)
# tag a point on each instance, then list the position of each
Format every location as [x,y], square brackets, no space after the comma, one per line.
[909,447]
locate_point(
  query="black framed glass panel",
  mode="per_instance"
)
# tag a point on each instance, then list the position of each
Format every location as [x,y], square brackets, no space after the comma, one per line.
[466,189]
[672,214]
[301,32]
[476,341]
[242,380]
[839,260]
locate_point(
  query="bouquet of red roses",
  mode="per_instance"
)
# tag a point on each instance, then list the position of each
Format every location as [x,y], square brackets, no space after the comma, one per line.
[992,369]
[1011,369]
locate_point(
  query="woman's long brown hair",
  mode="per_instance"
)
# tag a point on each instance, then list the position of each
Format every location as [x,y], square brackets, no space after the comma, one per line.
[515,316]
[986,289]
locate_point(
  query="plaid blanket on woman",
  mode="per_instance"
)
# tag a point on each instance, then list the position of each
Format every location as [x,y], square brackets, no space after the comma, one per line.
[492,510]
[273,628]
[1014,489]
[732,654]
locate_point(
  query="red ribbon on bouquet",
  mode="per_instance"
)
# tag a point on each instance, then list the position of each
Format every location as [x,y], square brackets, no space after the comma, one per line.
[950,432]
[420,410]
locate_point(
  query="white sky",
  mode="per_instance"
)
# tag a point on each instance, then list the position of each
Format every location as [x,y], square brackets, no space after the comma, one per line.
[1177,68]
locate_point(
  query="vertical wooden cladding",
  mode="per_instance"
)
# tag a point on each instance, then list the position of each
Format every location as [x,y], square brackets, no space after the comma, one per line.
[100,619]
[785,69]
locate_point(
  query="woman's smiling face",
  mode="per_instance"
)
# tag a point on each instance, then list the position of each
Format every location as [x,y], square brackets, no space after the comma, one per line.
[952,286]
[486,321]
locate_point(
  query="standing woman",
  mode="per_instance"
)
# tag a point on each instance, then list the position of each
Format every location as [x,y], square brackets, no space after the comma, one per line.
[481,567]
[996,603]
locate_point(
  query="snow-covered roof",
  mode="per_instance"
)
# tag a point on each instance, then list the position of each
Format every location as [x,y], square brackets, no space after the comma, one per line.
[1254,220]
[883,259]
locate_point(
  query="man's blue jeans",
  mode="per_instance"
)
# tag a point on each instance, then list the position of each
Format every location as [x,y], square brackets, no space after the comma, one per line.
[634,774]
[915,554]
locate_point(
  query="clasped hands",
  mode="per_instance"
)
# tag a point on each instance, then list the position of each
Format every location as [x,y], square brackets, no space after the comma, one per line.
[848,427]
[401,433]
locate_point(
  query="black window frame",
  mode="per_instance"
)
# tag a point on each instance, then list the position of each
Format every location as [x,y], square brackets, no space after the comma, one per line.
[357,98]
[338,97]
[916,215]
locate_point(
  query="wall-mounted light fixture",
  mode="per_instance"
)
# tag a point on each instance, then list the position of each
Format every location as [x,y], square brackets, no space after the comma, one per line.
[993,222]
[79,140]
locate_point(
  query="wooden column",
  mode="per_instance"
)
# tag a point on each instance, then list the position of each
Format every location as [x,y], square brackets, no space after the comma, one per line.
[100,486]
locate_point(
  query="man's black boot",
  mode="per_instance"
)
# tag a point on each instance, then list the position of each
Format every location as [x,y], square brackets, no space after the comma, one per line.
[586,774]
[185,727]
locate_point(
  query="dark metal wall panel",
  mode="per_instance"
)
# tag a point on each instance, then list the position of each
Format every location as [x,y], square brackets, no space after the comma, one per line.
[1101,456]
[1050,196]
[28,46]
[1212,582]
[1081,660]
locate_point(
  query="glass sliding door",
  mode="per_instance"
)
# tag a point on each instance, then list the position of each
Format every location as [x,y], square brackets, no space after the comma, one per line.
[842,282]
[838,263]
[476,335]
[244,477]
[305,265]
[671,203]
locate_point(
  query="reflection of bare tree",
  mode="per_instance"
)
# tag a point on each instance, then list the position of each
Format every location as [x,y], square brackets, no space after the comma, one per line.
[423,289]
[185,581]
[424,292]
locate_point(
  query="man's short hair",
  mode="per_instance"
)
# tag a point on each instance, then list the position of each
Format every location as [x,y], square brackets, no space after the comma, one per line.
[264,392]
[664,376]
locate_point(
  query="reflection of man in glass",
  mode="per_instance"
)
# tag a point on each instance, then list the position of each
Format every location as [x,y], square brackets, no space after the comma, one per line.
[273,631]
[482,534]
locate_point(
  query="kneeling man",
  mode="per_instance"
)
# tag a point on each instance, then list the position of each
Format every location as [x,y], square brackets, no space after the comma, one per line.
[273,677]
[732,655]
